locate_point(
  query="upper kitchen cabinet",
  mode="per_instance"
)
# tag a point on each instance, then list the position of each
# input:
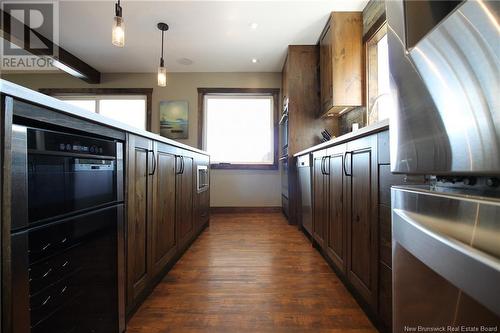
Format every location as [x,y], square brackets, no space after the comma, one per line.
[341,63]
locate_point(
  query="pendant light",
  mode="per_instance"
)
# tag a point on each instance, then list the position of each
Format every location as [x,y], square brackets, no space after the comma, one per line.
[162,70]
[118,34]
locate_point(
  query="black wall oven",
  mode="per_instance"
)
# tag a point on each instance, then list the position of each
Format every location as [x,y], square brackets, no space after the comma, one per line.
[67,211]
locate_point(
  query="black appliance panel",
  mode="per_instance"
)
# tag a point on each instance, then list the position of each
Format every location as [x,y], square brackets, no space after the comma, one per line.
[66,272]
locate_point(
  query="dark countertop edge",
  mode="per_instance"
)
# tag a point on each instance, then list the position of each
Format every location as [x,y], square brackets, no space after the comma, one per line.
[365,131]
[31,96]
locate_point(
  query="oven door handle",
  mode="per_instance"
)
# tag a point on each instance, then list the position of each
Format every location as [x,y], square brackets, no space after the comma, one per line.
[455,261]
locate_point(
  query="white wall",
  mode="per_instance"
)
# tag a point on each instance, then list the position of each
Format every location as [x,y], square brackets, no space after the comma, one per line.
[230,188]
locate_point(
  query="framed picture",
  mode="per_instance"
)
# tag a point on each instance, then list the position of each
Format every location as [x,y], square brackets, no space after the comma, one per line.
[174,119]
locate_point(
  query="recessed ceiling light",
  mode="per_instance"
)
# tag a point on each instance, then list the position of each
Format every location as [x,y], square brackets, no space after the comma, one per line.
[254,26]
[185,61]
[255,60]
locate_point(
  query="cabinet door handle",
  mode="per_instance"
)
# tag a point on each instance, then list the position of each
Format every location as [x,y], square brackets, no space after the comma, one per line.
[345,160]
[154,162]
[327,170]
[323,165]
[182,164]
[178,158]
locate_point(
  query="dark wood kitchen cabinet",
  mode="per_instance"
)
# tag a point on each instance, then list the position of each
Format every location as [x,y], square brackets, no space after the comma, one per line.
[164,242]
[361,214]
[336,240]
[345,211]
[184,207]
[300,93]
[139,217]
[341,63]
[161,187]
[352,217]
[320,197]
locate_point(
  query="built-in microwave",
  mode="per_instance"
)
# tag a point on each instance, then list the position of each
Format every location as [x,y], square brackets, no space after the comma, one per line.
[202,180]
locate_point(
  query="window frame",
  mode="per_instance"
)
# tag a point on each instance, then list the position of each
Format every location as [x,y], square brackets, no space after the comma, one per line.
[114,92]
[273,92]
[377,31]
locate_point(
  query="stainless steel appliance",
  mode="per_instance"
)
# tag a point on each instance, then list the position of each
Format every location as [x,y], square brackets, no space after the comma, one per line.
[285,201]
[284,185]
[284,128]
[445,73]
[445,79]
[202,178]
[67,209]
[446,260]
[304,171]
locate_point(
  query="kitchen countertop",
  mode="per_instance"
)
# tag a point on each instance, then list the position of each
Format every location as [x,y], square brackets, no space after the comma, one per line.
[20,92]
[367,130]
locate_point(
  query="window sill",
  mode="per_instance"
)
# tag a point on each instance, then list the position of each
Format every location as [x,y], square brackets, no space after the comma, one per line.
[229,166]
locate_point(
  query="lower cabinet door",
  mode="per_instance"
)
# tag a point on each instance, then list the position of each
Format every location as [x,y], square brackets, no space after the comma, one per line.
[361,205]
[139,162]
[164,243]
[184,202]
[336,231]
[320,197]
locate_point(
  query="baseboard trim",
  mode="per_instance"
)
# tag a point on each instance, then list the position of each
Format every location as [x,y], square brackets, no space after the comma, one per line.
[247,210]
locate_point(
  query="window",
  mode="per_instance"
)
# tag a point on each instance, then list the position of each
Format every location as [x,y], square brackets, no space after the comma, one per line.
[379,94]
[129,106]
[239,127]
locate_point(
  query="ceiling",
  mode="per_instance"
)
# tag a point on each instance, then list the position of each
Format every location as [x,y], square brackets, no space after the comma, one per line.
[216,36]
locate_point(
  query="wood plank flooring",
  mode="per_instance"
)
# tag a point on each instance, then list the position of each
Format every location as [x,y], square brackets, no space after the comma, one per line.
[250,273]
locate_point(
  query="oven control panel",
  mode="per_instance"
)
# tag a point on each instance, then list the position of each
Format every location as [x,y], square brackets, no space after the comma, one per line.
[48,141]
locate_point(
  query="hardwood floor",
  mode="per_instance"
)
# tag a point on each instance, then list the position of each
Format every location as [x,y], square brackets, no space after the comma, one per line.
[250,273]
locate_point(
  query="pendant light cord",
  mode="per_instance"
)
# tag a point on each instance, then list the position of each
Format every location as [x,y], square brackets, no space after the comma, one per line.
[162,38]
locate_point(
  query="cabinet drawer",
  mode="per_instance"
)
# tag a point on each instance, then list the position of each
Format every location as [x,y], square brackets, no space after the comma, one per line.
[385,241]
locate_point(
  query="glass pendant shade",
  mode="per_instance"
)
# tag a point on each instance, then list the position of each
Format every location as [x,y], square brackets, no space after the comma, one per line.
[118,35]
[162,76]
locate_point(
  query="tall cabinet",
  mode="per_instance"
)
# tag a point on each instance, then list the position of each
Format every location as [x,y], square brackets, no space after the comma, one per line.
[300,89]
